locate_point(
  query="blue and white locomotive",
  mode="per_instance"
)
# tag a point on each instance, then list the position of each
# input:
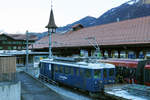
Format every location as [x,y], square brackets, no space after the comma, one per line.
[90,77]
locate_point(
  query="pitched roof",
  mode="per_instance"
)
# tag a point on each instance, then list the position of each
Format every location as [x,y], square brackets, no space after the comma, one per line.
[135,31]
[22,36]
[51,23]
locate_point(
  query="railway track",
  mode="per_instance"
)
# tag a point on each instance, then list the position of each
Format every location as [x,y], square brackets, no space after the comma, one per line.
[83,95]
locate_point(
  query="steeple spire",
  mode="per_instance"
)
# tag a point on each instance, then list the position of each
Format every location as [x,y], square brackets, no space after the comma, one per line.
[51,4]
[51,23]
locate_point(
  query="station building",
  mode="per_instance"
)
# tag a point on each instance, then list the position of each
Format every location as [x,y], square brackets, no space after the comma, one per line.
[124,39]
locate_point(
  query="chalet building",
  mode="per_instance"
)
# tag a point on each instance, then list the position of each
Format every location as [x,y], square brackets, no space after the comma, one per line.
[15,41]
[125,39]
[15,44]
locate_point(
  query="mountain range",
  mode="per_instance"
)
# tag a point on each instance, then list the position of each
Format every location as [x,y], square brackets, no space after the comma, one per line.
[123,12]
[126,11]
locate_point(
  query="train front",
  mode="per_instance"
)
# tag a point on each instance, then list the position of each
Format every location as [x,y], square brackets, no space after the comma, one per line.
[102,74]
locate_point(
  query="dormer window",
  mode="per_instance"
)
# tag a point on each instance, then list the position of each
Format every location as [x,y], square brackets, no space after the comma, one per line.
[77,27]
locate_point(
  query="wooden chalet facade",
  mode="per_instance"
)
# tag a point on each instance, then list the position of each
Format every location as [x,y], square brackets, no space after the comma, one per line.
[15,41]
[125,39]
[15,44]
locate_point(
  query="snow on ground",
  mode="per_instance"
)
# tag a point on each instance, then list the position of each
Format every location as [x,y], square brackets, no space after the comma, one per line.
[128,92]
[125,94]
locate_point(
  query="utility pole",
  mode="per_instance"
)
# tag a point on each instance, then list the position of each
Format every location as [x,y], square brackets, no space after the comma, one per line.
[27,50]
[50,44]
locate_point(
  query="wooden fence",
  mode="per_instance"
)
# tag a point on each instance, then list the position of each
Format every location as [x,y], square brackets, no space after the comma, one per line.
[7,68]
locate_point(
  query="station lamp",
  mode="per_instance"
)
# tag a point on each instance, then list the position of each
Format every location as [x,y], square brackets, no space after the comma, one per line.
[51,29]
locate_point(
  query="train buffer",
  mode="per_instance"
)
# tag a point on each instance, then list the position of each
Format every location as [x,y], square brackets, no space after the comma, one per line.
[128,91]
[32,89]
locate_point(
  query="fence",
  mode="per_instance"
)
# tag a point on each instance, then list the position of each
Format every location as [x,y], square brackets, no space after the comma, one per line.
[7,68]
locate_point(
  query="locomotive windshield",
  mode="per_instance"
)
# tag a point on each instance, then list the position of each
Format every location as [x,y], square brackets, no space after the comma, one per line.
[104,73]
[88,73]
[111,72]
[97,73]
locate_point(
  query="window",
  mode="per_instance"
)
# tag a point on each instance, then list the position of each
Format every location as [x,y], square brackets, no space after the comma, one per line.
[61,69]
[72,70]
[104,73]
[19,47]
[87,73]
[115,54]
[77,72]
[97,73]
[56,68]
[14,42]
[67,70]
[4,42]
[24,42]
[81,72]
[111,72]
[9,42]
[1,47]
[147,75]
[20,42]
[122,54]
[14,47]
[20,60]
[3,38]
[9,47]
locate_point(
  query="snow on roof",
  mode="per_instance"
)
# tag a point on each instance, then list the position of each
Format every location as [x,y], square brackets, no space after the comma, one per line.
[81,64]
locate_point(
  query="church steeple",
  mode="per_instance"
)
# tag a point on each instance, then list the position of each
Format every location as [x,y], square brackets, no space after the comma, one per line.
[51,23]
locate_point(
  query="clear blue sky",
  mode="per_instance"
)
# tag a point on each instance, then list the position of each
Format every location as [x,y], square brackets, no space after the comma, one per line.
[21,15]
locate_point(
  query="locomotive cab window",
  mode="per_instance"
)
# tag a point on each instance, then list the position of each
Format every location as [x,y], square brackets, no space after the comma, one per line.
[81,72]
[104,73]
[72,71]
[77,72]
[61,69]
[56,69]
[67,70]
[88,73]
[97,73]
[111,72]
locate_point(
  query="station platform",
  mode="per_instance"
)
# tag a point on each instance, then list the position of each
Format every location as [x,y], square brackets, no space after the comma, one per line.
[128,91]
[32,89]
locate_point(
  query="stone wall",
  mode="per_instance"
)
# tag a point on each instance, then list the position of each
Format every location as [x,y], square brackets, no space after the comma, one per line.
[10,91]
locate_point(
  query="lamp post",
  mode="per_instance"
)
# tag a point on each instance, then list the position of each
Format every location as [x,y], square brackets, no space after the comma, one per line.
[51,29]
[27,50]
